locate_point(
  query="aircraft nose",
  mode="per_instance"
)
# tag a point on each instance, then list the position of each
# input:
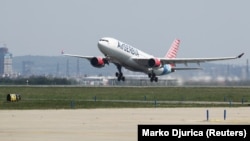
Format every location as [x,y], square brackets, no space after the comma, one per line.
[100,44]
[103,43]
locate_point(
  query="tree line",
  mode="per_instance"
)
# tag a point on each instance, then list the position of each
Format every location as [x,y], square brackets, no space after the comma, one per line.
[36,80]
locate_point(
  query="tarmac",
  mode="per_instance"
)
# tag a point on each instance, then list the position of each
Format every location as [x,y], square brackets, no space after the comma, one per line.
[106,124]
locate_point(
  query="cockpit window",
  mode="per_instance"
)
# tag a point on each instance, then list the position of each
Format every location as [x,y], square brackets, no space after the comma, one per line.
[104,40]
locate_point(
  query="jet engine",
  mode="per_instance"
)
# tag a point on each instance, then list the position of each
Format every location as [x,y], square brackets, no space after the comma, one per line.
[154,62]
[97,62]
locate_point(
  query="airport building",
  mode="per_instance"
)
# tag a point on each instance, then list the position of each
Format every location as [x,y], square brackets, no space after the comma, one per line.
[5,62]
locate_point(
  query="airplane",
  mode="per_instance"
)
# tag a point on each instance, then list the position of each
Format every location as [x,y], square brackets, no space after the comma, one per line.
[133,59]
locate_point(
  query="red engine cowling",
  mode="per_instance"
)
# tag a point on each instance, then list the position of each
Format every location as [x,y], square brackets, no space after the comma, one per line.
[154,62]
[97,62]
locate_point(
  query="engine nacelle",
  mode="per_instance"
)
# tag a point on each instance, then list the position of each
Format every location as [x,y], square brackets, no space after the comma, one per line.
[154,62]
[97,62]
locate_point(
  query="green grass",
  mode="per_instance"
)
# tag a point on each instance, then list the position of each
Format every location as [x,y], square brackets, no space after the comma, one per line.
[123,97]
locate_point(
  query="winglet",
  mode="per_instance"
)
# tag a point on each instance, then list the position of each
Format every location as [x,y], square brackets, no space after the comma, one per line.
[240,55]
[62,52]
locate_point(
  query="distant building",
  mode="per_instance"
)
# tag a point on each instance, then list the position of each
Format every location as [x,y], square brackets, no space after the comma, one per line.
[5,62]
[27,68]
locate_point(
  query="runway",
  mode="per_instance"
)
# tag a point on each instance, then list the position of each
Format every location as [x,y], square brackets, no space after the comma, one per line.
[105,124]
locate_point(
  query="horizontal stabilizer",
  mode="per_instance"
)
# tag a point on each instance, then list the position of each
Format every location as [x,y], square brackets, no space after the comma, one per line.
[187,68]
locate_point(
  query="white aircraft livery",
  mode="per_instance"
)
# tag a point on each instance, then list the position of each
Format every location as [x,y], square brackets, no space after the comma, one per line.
[131,58]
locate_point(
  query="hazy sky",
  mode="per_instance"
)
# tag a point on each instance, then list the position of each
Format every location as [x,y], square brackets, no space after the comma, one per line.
[209,28]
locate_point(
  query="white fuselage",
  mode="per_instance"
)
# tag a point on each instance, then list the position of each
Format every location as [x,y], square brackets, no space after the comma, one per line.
[122,54]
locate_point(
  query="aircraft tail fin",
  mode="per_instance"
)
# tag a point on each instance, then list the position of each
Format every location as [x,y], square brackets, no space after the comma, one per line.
[172,52]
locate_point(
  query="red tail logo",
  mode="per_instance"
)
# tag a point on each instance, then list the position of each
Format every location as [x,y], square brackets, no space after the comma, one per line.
[172,52]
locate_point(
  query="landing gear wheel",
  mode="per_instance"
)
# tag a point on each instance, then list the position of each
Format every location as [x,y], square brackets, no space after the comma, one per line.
[123,78]
[153,77]
[156,79]
[120,77]
[116,74]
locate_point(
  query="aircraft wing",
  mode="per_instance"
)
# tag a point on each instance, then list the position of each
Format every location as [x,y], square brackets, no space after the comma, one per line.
[196,60]
[79,56]
[144,61]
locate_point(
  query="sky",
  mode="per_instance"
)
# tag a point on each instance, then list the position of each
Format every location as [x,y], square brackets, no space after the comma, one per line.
[206,28]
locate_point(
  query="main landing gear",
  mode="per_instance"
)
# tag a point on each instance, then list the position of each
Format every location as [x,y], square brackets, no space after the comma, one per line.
[119,74]
[153,77]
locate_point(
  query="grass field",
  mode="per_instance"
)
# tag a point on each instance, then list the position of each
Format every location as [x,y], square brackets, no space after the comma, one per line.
[123,97]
